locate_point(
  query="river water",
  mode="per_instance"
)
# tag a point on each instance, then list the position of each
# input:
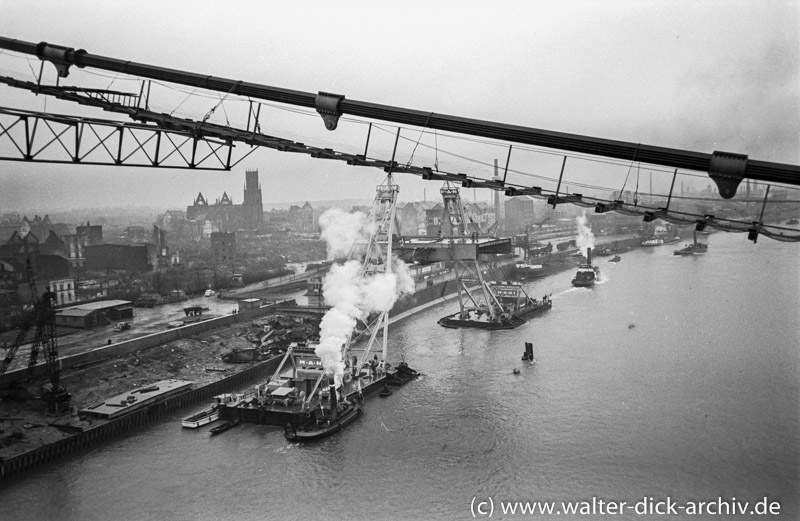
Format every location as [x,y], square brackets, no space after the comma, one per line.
[675,378]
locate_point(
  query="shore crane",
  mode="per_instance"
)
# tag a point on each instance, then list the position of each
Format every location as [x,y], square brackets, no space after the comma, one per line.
[42,321]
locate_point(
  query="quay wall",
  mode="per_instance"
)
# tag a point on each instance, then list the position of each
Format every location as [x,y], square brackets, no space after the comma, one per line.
[137,418]
[145,342]
[423,299]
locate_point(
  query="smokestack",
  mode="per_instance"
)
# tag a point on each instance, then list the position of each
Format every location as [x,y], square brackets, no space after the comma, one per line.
[589,256]
[334,403]
[499,211]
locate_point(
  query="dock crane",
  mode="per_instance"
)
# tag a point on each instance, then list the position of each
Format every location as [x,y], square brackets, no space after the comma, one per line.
[44,339]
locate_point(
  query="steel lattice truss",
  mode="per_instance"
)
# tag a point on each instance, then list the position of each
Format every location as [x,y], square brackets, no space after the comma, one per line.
[140,144]
[55,138]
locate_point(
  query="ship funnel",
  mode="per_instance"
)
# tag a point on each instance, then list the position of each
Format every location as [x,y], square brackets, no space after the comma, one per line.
[334,403]
[589,256]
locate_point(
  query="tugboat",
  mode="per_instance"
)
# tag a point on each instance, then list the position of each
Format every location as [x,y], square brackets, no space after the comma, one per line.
[587,274]
[692,249]
[326,422]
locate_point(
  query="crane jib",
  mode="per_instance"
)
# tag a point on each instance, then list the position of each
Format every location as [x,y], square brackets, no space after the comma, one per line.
[726,169]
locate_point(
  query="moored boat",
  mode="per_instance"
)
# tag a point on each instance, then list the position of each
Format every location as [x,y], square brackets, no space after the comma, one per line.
[653,241]
[225,426]
[402,375]
[201,418]
[208,415]
[527,271]
[616,258]
[540,266]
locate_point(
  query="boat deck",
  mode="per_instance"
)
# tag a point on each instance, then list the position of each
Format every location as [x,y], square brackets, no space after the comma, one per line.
[280,413]
[454,322]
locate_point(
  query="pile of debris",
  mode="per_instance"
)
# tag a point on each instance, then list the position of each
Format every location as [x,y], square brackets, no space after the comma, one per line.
[272,335]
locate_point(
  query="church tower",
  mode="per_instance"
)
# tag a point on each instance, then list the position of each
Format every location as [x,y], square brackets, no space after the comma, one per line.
[252,207]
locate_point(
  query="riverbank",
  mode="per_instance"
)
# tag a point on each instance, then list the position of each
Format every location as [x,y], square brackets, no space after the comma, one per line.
[191,353]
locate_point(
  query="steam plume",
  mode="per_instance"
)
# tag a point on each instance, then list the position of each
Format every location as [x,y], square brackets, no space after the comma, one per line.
[585,237]
[351,295]
[342,230]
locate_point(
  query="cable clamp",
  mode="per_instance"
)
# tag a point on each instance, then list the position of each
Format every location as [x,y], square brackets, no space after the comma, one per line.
[327,106]
[61,57]
[727,171]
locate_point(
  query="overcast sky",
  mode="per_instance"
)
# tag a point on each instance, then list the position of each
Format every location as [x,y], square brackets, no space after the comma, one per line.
[704,76]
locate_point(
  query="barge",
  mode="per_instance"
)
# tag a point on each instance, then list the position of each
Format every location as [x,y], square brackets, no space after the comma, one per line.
[209,414]
[512,307]
[225,426]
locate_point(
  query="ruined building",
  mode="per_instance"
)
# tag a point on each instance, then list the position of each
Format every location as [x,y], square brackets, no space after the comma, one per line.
[229,217]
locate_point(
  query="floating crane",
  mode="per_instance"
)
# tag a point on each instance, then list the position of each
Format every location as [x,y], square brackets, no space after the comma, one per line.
[44,339]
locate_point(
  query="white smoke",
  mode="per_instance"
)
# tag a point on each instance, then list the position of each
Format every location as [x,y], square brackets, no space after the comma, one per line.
[334,329]
[585,237]
[351,294]
[342,230]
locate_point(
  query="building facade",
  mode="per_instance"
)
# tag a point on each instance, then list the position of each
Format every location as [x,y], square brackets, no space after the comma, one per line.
[520,213]
[128,257]
[301,218]
[93,232]
[223,248]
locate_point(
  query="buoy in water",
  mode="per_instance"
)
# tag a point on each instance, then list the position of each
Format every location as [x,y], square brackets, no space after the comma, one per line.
[516,370]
